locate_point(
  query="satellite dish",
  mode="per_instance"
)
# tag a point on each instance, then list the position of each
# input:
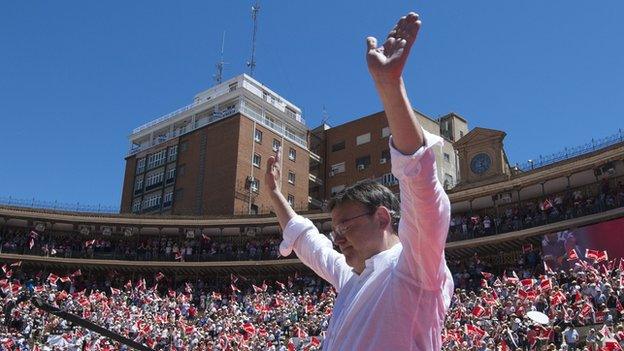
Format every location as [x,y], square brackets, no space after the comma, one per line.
[538,317]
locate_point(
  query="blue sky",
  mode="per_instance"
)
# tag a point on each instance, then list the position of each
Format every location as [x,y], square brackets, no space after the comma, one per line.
[76,77]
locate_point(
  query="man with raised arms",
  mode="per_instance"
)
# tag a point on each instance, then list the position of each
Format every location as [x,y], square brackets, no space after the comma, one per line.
[393,284]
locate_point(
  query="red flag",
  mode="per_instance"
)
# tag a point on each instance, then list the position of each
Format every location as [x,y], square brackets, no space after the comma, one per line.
[572,255]
[527,283]
[477,311]
[546,205]
[265,287]
[578,298]
[52,278]
[592,254]
[618,305]
[257,289]
[527,248]
[249,328]
[31,243]
[115,291]
[5,268]
[34,234]
[159,276]
[474,219]
[487,275]
[586,310]
[16,264]
[291,345]
[179,257]
[474,331]
[545,284]
[315,342]
[65,279]
[602,256]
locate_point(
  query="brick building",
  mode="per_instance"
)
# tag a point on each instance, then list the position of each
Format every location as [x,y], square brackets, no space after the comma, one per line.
[208,158]
[359,150]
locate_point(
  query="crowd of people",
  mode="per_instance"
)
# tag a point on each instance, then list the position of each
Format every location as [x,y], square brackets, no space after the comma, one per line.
[489,310]
[143,248]
[557,207]
[532,213]
[162,315]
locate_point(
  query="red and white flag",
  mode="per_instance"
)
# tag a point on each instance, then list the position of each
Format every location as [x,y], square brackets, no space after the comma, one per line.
[249,328]
[257,289]
[572,255]
[52,278]
[16,264]
[89,243]
[31,243]
[477,311]
[159,276]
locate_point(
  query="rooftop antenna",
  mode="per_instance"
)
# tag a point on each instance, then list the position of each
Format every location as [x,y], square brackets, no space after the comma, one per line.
[219,75]
[254,14]
[324,116]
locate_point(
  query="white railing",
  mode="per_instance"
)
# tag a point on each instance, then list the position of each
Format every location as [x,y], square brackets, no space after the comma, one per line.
[204,99]
[278,128]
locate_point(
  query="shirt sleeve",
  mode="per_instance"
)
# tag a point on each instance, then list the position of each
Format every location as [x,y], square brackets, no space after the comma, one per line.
[315,251]
[425,214]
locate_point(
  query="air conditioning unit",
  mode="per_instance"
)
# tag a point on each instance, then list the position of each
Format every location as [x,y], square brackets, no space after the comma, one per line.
[382,160]
[361,167]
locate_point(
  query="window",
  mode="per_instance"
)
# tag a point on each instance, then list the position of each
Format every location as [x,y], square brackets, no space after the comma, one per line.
[140,166]
[291,177]
[338,146]
[253,209]
[337,168]
[291,200]
[173,153]
[138,184]
[461,133]
[233,86]
[385,156]
[152,201]
[136,205]
[292,154]
[258,136]
[254,185]
[157,159]
[362,162]
[256,160]
[389,179]
[276,144]
[447,157]
[362,139]
[171,174]
[385,131]
[153,180]
[336,189]
[448,181]
[291,113]
[168,199]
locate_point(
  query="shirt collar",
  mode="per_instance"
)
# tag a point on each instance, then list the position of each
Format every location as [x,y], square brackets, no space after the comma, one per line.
[377,259]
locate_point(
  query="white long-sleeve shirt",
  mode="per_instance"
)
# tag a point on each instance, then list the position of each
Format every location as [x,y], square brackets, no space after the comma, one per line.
[400,299]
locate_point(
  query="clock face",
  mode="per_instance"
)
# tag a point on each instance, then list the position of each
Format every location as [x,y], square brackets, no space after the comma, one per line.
[480,163]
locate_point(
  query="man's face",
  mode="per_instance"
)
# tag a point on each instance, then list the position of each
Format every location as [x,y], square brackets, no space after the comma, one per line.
[360,234]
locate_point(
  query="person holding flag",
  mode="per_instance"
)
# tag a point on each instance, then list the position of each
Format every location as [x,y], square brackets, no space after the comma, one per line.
[393,285]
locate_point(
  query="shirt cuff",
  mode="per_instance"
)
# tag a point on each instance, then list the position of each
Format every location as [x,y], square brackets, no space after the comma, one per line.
[409,165]
[294,228]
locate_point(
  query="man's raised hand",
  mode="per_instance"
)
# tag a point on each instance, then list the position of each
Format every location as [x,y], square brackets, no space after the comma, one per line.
[386,62]
[273,175]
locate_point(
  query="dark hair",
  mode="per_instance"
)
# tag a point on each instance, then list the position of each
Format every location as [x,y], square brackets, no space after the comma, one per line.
[372,195]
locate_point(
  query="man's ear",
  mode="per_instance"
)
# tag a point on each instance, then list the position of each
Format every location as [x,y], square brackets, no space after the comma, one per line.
[384,217]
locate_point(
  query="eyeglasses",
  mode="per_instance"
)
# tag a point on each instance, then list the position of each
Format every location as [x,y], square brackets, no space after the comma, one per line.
[340,230]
